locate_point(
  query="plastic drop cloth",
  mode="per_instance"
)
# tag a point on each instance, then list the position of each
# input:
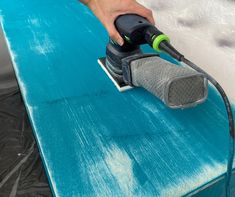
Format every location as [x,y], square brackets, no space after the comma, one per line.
[21,169]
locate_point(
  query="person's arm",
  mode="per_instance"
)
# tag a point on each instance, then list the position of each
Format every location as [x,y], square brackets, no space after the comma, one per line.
[108,10]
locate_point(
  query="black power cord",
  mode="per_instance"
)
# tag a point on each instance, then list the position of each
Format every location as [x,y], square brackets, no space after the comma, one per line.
[169,49]
[230,120]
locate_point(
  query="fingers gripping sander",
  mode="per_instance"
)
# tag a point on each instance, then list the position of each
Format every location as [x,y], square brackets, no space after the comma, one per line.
[127,66]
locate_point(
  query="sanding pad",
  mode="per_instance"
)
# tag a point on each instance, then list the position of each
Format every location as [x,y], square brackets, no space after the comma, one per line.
[120,86]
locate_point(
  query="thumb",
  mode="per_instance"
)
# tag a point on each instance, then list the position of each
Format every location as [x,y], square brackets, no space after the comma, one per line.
[114,35]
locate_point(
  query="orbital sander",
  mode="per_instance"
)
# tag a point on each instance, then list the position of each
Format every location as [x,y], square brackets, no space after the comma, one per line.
[127,66]
[178,86]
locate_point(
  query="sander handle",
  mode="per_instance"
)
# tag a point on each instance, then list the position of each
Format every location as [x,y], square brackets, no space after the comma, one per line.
[136,29]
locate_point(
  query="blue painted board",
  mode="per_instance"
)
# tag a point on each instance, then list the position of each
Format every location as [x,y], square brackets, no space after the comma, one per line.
[94,140]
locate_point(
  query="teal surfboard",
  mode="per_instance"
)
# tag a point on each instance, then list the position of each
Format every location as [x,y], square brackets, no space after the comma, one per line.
[94,140]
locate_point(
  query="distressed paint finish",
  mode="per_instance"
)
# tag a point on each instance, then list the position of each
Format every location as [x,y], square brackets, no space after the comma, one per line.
[95,141]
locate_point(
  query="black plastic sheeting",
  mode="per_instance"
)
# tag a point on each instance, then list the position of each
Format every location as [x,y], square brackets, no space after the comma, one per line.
[21,169]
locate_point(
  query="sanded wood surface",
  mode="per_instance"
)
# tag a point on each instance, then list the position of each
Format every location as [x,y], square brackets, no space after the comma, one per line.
[94,140]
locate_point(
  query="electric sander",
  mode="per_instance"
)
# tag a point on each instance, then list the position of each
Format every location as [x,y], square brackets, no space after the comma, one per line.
[177,86]
[127,66]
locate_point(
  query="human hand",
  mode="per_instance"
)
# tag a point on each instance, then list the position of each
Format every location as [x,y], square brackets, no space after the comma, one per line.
[108,10]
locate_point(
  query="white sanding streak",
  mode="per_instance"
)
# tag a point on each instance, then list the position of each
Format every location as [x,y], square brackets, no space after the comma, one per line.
[42,46]
[29,108]
[120,165]
[204,175]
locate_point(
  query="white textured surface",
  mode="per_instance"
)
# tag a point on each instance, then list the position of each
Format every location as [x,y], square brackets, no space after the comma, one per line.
[207,172]
[202,30]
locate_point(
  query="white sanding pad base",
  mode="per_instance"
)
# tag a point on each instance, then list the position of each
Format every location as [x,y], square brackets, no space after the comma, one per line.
[120,87]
